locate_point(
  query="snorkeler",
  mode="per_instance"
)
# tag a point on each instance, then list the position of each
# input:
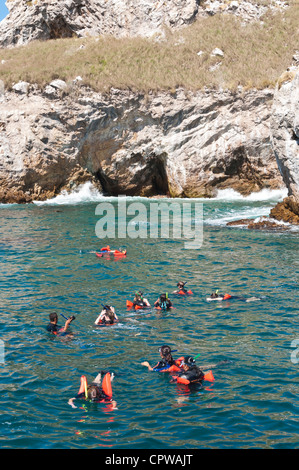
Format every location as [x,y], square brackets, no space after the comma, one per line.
[140,301]
[182,289]
[216,296]
[163,303]
[167,363]
[95,392]
[107,316]
[189,372]
[56,329]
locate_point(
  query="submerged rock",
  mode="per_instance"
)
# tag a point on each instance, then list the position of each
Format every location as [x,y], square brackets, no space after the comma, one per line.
[263,223]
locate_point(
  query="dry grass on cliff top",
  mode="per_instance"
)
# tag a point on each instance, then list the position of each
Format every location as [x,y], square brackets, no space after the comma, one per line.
[254,56]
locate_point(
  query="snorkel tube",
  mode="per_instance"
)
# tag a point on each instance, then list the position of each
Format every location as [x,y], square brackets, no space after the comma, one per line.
[72,317]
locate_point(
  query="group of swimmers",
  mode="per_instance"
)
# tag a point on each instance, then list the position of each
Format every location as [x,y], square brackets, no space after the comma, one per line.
[108,315]
[163,302]
[183,370]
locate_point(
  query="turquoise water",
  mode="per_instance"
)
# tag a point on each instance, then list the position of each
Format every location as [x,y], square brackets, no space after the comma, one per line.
[48,263]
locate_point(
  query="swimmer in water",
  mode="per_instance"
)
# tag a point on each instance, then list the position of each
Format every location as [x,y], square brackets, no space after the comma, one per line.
[95,392]
[181,288]
[163,302]
[166,361]
[140,301]
[107,316]
[216,296]
[189,373]
[54,328]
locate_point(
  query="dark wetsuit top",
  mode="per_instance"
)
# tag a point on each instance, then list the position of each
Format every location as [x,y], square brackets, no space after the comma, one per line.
[53,328]
[163,364]
[56,330]
[139,303]
[164,304]
[194,374]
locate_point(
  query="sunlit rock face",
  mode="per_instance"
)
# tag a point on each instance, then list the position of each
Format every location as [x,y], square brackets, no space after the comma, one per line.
[285,140]
[173,144]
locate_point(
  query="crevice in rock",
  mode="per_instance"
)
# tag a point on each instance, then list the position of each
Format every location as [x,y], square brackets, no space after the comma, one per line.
[59,28]
[295,137]
[149,179]
[110,186]
[159,175]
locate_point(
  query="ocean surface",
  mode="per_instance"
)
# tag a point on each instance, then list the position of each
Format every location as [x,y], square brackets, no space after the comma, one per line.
[48,263]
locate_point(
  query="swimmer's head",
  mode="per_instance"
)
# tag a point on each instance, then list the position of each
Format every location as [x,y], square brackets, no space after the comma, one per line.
[53,317]
[165,352]
[188,361]
[214,295]
[93,392]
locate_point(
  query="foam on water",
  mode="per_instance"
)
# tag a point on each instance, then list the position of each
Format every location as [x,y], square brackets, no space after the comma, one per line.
[243,213]
[88,193]
[235,206]
[84,193]
[263,195]
[231,211]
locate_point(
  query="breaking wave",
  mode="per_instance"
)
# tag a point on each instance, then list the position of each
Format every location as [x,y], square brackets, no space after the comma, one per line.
[84,193]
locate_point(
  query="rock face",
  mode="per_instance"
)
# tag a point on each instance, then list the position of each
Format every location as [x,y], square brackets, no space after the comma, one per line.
[287,211]
[245,10]
[51,19]
[285,140]
[178,144]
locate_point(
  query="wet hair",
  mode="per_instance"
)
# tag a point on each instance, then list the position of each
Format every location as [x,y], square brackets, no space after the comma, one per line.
[214,295]
[94,392]
[53,316]
[166,353]
[110,314]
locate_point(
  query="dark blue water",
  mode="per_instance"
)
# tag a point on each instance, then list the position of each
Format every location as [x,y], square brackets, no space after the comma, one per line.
[48,264]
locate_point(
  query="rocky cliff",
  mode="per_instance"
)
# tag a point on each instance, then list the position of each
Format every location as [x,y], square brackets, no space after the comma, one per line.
[50,19]
[180,144]
[285,142]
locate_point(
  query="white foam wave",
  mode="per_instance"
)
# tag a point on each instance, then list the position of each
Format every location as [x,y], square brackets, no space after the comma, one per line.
[8,205]
[84,193]
[245,213]
[263,195]
[88,193]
